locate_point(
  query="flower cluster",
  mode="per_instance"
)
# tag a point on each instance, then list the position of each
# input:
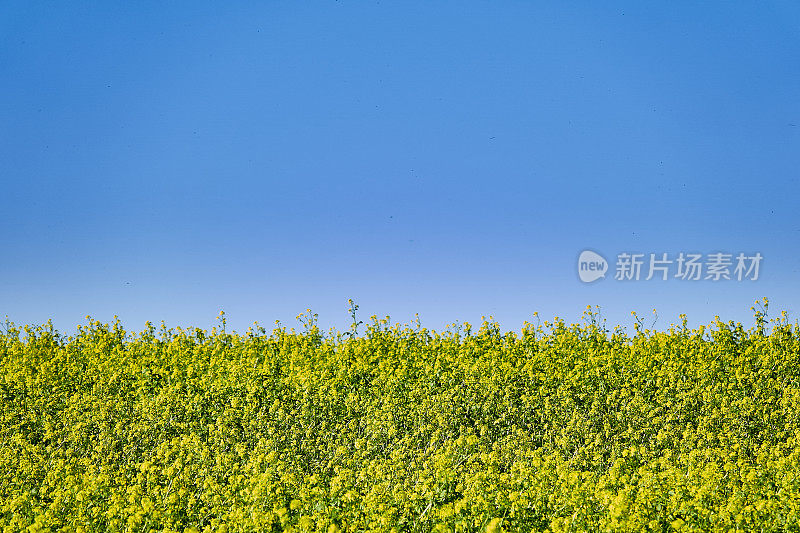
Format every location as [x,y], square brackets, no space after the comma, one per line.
[558,427]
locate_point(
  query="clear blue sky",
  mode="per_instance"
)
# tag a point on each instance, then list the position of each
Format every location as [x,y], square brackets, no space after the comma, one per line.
[164,161]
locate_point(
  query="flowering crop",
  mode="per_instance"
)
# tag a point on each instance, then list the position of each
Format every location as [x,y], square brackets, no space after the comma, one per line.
[559,427]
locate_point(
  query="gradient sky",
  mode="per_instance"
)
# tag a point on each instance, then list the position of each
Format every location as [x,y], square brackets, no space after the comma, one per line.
[168,160]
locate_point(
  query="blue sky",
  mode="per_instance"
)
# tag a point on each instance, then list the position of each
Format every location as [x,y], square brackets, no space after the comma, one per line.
[164,161]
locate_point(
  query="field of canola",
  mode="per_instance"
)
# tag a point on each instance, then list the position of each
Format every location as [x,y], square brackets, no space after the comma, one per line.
[398,428]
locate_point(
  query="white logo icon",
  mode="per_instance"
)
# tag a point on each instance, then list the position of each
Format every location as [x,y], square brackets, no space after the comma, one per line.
[591,266]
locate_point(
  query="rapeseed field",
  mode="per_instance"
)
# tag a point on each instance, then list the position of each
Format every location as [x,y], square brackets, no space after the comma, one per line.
[556,427]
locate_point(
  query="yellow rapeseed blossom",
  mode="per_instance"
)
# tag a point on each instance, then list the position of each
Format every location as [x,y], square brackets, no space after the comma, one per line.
[558,427]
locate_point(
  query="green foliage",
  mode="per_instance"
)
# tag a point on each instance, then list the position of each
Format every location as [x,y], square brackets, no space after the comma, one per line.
[558,427]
